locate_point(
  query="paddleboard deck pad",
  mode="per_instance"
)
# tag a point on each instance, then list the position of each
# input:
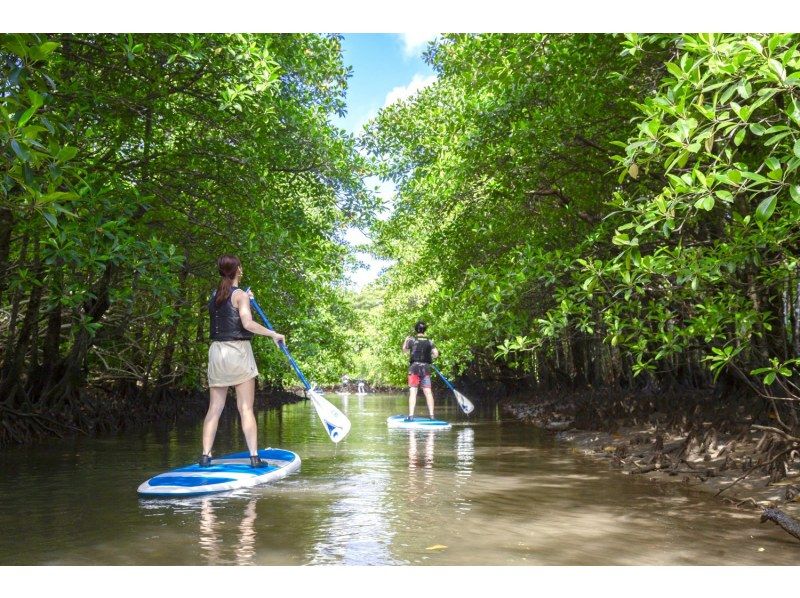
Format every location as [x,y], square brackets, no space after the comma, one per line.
[418,423]
[228,472]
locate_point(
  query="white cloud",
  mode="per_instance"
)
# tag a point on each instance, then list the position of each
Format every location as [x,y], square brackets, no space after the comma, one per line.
[401,92]
[414,43]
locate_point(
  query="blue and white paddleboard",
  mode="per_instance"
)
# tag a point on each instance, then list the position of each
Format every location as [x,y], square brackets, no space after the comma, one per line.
[228,472]
[418,423]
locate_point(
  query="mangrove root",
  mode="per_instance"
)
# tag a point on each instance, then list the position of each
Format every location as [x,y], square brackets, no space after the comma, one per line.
[788,523]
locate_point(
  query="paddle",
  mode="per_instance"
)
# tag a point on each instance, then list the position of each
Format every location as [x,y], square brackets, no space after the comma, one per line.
[463,402]
[336,423]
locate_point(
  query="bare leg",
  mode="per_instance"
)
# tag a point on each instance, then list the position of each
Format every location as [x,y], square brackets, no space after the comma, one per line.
[245,395]
[216,404]
[412,400]
[429,398]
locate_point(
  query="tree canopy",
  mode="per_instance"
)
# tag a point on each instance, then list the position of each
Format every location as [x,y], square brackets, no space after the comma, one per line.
[578,211]
[130,163]
[601,210]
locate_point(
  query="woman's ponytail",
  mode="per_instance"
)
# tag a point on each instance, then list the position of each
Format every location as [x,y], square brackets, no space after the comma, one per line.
[228,266]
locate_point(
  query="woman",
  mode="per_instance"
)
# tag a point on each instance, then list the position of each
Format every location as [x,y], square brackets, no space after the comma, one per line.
[230,357]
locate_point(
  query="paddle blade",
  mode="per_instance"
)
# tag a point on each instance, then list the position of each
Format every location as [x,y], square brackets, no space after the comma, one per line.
[336,423]
[463,402]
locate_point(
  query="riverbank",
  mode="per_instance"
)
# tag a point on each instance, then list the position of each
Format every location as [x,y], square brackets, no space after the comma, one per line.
[100,411]
[724,465]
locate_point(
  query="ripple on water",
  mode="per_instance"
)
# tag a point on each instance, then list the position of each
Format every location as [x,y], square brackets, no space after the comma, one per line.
[487,492]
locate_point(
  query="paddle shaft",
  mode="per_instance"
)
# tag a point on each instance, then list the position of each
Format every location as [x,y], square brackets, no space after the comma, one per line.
[282,346]
[446,381]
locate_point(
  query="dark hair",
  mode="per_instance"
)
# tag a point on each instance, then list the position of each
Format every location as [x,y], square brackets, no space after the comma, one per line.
[228,266]
[420,326]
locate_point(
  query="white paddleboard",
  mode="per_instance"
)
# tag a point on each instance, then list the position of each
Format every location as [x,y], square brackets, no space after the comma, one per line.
[418,423]
[228,472]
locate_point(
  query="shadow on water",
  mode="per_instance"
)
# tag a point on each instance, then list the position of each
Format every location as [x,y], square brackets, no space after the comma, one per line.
[486,492]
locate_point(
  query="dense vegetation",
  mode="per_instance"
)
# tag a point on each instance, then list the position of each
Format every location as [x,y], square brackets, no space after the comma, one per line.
[615,213]
[615,216]
[130,162]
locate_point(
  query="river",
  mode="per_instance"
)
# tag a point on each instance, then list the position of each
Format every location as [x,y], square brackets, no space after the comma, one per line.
[490,491]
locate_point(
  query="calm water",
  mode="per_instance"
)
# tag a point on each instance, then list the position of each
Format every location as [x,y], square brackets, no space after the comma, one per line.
[488,492]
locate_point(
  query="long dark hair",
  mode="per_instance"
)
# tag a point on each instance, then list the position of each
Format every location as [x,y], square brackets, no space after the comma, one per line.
[228,266]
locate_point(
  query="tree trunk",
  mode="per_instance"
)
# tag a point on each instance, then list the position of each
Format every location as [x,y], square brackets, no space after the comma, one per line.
[52,341]
[12,381]
[70,374]
[6,226]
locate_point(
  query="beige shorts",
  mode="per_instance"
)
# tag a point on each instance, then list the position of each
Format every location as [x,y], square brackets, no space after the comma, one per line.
[230,363]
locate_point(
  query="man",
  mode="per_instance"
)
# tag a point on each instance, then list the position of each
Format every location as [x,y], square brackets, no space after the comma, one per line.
[421,352]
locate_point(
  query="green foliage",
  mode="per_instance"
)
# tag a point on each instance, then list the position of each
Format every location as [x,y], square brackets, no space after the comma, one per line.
[716,243]
[501,167]
[132,161]
[525,240]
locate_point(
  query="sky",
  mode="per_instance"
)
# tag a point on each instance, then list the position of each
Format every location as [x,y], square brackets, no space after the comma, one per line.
[386,67]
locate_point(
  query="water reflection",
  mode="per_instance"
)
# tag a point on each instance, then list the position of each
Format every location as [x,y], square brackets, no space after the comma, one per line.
[209,541]
[211,529]
[491,493]
[246,549]
[425,459]
[465,453]
[357,529]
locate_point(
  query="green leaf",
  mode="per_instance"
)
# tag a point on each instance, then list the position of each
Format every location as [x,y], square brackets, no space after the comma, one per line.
[26,116]
[776,138]
[766,208]
[797,148]
[36,99]
[757,178]
[777,68]
[675,70]
[794,191]
[51,218]
[739,137]
[21,152]
[47,48]
[621,239]
[755,44]
[66,153]
[58,196]
[706,202]
[725,196]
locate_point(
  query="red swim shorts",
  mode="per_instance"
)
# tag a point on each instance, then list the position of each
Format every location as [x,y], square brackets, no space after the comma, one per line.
[419,374]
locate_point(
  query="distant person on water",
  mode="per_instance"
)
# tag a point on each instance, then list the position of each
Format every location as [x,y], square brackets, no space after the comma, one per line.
[230,357]
[421,352]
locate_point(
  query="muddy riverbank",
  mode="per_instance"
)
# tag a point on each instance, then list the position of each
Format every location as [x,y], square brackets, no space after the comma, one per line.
[100,411]
[726,465]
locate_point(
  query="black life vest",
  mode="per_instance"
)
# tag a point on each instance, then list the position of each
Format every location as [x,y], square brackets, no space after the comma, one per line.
[420,350]
[226,325]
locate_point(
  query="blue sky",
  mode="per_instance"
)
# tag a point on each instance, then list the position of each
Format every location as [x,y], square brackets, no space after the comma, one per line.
[382,62]
[386,67]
